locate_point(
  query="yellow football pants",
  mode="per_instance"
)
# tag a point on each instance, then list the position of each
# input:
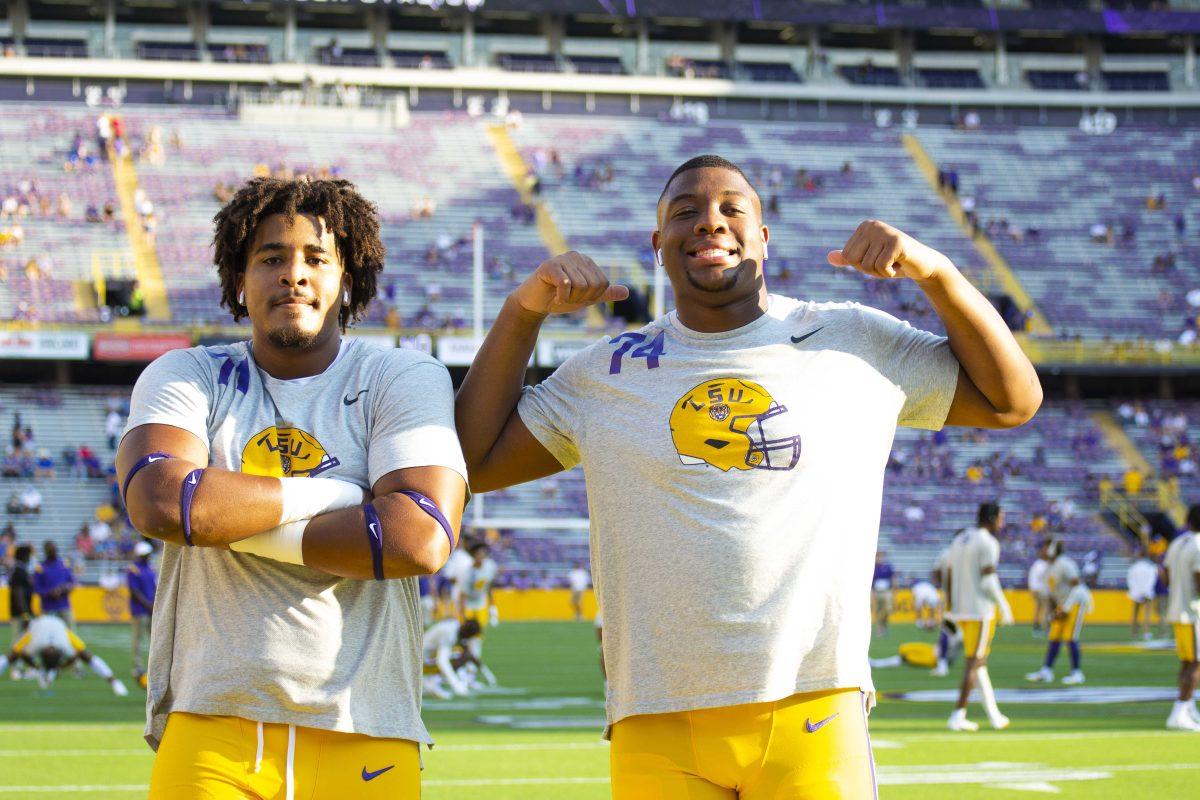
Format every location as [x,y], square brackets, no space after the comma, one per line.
[1187,637]
[219,758]
[1067,628]
[811,746]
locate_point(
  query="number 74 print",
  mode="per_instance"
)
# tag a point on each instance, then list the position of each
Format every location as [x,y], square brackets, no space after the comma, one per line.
[649,351]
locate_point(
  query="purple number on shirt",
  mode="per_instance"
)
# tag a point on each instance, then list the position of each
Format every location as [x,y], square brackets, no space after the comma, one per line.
[627,341]
[651,351]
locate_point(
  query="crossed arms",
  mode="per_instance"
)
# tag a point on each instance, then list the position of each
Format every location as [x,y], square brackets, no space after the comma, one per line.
[229,507]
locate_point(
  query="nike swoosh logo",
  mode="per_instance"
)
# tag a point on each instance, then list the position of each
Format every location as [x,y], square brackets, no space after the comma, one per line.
[348,400]
[799,339]
[152,459]
[193,480]
[424,502]
[814,728]
[374,528]
[370,776]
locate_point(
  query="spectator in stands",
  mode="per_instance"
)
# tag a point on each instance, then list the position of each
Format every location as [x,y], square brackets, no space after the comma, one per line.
[100,532]
[53,580]
[91,463]
[10,467]
[44,464]
[92,213]
[112,428]
[8,543]
[1133,481]
[85,548]
[27,500]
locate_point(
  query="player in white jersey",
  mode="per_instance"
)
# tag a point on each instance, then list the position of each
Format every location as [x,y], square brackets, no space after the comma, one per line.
[1040,589]
[578,580]
[48,646]
[450,583]
[973,597]
[477,602]
[445,648]
[1182,563]
[1139,582]
[949,637]
[927,604]
[734,451]
[1069,607]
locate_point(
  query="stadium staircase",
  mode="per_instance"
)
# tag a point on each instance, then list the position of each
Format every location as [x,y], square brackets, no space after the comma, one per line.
[1165,499]
[1007,278]
[1061,182]
[145,256]
[518,173]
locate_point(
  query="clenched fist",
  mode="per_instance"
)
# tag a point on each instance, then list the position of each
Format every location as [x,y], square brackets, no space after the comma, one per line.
[567,283]
[881,251]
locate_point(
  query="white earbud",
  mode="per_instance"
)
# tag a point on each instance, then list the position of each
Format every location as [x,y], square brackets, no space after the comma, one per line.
[764,251]
[658,257]
[346,297]
[242,298]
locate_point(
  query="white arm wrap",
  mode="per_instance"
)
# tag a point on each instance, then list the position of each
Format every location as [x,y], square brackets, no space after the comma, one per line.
[993,589]
[285,543]
[305,498]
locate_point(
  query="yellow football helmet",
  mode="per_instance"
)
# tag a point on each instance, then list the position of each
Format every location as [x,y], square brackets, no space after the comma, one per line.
[733,424]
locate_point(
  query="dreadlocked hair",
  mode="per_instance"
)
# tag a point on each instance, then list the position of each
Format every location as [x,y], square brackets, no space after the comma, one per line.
[351,217]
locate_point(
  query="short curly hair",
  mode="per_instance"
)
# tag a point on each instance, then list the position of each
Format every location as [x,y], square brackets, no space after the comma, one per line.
[352,218]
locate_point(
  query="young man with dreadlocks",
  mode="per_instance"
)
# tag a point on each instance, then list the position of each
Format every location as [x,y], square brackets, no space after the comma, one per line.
[300,480]
[735,451]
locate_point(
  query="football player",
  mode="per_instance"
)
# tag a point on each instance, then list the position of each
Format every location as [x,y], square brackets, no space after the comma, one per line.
[735,451]
[301,481]
[1070,603]
[446,649]
[973,597]
[1183,611]
[48,645]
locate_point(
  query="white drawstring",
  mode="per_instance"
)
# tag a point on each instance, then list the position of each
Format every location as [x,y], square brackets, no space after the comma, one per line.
[289,779]
[258,755]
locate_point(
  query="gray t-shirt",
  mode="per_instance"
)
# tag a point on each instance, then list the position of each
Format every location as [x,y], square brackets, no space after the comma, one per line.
[235,634]
[734,483]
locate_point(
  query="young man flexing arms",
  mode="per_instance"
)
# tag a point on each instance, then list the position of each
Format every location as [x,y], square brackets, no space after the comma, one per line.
[736,444]
[301,480]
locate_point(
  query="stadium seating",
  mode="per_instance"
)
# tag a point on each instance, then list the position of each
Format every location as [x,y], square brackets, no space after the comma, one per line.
[950,78]
[74,417]
[597,65]
[34,143]
[817,209]
[446,159]
[1061,182]
[881,183]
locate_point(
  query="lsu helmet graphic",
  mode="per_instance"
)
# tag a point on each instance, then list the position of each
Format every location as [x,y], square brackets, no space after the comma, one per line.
[285,452]
[733,424]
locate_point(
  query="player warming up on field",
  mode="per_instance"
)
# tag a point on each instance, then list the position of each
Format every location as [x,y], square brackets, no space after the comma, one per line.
[973,596]
[735,452]
[300,480]
[1183,611]
[48,646]
[1071,601]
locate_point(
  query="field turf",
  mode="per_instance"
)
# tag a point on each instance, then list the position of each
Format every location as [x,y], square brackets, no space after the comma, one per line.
[540,739]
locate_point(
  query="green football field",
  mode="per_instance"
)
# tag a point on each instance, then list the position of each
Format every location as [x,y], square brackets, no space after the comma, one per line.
[539,739]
